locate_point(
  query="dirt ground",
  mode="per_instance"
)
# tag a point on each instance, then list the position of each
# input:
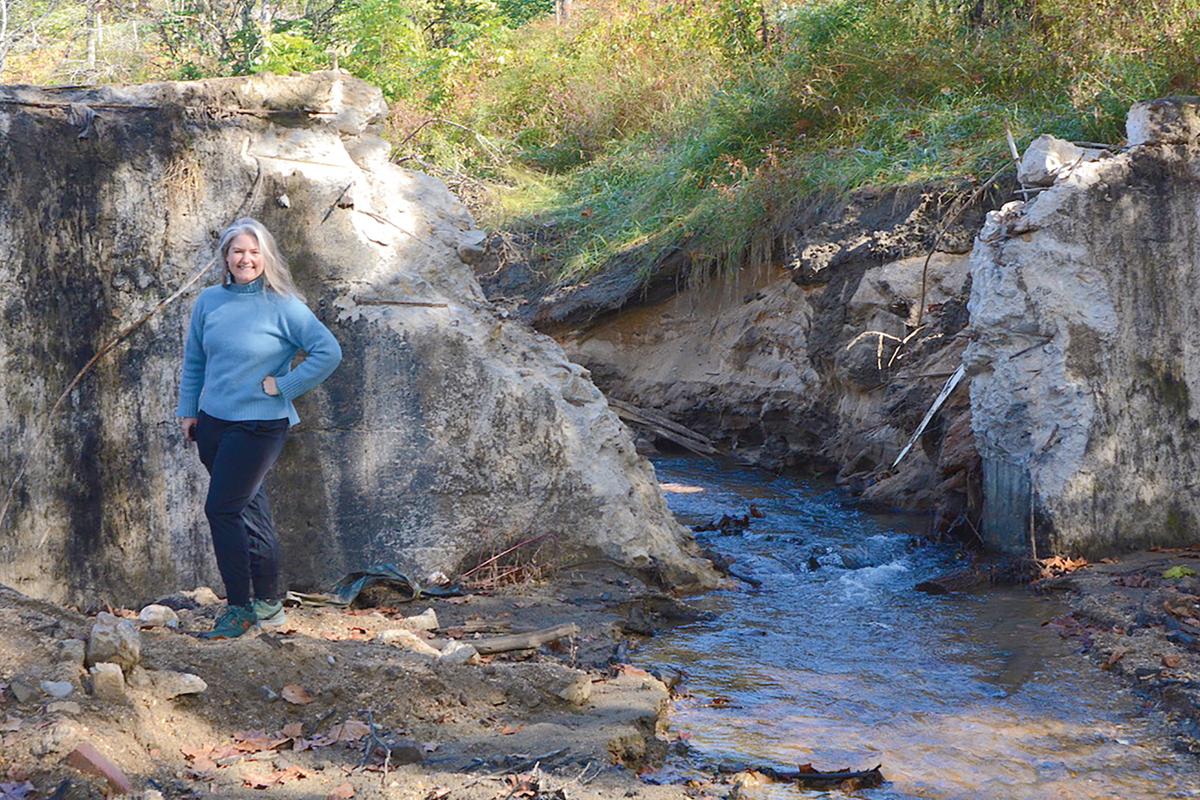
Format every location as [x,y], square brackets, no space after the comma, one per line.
[288,711]
[1138,616]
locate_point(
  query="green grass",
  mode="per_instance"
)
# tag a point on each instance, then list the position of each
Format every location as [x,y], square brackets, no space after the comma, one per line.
[647,131]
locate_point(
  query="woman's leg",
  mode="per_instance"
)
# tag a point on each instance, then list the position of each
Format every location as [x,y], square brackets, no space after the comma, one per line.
[238,456]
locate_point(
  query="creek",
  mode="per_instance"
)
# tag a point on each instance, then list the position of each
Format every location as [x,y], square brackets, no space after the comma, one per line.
[836,660]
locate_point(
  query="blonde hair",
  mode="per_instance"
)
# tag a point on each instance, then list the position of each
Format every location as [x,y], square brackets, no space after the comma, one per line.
[275,269]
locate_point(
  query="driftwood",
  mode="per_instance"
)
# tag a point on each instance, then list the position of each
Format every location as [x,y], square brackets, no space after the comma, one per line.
[524,641]
[663,426]
[808,777]
[815,778]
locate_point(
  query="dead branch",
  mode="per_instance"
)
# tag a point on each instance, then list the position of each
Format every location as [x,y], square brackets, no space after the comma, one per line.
[663,426]
[524,641]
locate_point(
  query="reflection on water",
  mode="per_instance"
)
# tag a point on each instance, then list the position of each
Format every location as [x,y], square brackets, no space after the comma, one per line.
[836,661]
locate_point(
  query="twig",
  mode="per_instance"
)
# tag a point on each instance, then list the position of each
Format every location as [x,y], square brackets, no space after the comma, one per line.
[482,139]
[950,220]
[375,741]
[529,762]
[524,641]
[416,303]
[386,221]
[947,390]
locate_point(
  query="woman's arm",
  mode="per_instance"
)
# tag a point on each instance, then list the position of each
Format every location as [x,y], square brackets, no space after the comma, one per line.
[191,381]
[324,352]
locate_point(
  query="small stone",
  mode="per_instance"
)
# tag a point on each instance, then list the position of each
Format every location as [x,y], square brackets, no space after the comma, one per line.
[139,678]
[151,794]
[169,684]
[88,760]
[108,681]
[23,691]
[56,739]
[72,651]
[456,652]
[113,641]
[156,616]
[407,752]
[58,689]
[1048,157]
[425,621]
[203,596]
[284,201]
[66,707]
[409,641]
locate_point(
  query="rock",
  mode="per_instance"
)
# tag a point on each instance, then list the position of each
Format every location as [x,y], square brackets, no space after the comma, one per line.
[88,760]
[55,739]
[139,678]
[425,621]
[472,246]
[1047,158]
[169,684]
[1083,354]
[114,641]
[58,689]
[442,417]
[64,707]
[203,596]
[154,615]
[108,681]
[456,652]
[406,751]
[1172,120]
[23,691]
[409,641]
[72,651]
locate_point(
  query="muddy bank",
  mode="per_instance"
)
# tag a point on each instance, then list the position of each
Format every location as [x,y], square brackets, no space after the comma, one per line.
[1138,616]
[822,363]
[574,707]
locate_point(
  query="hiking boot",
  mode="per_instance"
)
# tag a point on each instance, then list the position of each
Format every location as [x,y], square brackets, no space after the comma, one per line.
[233,622]
[269,612]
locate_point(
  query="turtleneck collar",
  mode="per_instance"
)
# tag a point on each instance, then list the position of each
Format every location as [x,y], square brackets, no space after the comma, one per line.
[254,287]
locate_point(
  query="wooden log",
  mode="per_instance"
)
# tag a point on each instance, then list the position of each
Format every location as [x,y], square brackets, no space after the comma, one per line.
[523,641]
[664,426]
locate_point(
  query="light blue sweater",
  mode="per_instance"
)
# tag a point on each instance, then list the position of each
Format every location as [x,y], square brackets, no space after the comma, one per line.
[240,335]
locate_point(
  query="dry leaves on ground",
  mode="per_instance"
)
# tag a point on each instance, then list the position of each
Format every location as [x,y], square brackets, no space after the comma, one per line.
[343,791]
[296,695]
[349,731]
[1059,565]
[276,778]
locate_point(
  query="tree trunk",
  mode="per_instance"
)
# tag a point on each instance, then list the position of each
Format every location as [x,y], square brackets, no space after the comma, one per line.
[562,11]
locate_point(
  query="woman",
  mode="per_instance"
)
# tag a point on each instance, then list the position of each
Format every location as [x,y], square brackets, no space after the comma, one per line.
[235,402]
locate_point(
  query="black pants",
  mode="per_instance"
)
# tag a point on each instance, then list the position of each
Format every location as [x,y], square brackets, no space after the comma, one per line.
[238,456]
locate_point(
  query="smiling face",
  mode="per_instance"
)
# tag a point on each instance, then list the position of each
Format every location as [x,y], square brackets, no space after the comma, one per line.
[244,259]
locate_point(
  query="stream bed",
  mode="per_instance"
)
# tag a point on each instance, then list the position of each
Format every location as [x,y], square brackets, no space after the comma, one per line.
[835,660]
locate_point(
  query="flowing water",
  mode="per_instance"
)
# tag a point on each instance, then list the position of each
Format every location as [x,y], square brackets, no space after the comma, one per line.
[961,696]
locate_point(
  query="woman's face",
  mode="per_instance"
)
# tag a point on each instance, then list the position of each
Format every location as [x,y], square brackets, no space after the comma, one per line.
[243,259]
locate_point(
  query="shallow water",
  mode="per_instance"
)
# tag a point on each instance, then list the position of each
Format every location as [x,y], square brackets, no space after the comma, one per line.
[964,697]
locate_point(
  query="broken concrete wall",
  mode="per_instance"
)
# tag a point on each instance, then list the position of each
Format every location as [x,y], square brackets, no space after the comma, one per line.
[1085,359]
[447,431]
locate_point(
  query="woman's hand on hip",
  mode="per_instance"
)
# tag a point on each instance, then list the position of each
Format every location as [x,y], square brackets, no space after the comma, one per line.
[188,424]
[270,387]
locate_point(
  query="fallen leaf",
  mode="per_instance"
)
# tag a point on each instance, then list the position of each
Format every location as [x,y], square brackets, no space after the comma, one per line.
[349,731]
[296,695]
[293,730]
[277,778]
[458,601]
[629,669]
[342,791]
[191,753]
[437,793]
[1170,660]
[509,730]
[1116,656]
[1179,572]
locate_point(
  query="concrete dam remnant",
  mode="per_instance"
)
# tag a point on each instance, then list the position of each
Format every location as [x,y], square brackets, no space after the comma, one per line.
[1085,363]
[448,429]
